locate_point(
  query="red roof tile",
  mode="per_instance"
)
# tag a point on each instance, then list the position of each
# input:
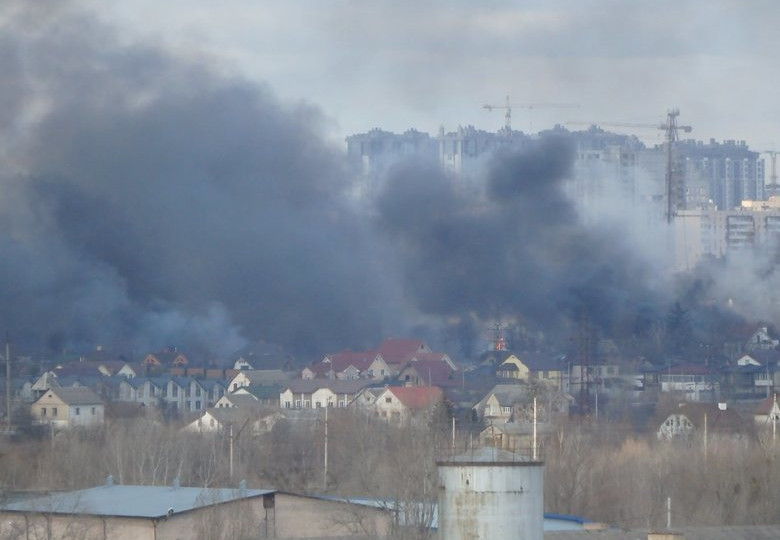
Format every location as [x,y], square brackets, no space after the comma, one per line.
[417,397]
[433,372]
[395,350]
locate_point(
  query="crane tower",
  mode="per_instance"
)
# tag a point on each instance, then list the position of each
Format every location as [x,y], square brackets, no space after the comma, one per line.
[507,106]
[671,135]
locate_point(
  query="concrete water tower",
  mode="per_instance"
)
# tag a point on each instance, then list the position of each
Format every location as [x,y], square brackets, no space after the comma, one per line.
[491,494]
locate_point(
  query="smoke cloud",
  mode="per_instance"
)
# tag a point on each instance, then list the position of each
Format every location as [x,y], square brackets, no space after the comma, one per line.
[521,251]
[151,201]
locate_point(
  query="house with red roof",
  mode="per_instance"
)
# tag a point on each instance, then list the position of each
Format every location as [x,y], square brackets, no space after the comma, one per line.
[398,352]
[384,362]
[348,366]
[430,373]
[401,404]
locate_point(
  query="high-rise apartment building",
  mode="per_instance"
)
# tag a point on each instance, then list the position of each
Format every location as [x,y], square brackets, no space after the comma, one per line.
[711,232]
[723,174]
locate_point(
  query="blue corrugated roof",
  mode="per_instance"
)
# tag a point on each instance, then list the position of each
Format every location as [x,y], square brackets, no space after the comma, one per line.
[132,501]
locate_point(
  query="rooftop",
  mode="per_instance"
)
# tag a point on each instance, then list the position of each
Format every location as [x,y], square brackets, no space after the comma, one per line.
[131,501]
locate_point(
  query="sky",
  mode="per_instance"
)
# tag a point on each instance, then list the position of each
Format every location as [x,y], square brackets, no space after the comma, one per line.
[400,64]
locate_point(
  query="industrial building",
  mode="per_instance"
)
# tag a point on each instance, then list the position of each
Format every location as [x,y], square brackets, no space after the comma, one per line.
[123,512]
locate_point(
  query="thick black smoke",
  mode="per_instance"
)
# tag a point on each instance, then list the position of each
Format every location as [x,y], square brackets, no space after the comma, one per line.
[151,201]
[520,251]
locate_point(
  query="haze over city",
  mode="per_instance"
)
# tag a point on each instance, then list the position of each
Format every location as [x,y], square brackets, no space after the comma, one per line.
[180,178]
[402,64]
[283,269]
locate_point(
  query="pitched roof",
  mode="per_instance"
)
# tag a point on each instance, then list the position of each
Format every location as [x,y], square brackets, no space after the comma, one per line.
[263,391]
[506,395]
[341,361]
[430,356]
[76,395]
[417,397]
[765,406]
[434,372]
[131,501]
[78,369]
[243,399]
[718,418]
[395,350]
[264,376]
[542,362]
[307,386]
[263,355]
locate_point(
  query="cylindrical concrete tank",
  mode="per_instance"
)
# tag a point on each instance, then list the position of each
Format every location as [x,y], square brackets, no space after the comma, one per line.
[491,494]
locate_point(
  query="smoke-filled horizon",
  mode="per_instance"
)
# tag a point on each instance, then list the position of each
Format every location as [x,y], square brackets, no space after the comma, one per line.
[152,201]
[155,202]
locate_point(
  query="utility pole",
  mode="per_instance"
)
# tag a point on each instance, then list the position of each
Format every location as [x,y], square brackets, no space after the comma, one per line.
[8,383]
[671,130]
[325,469]
[232,439]
[534,454]
[453,435]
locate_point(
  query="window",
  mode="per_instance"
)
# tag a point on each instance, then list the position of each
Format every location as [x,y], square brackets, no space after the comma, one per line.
[507,410]
[382,372]
[78,411]
[319,404]
[297,403]
[388,400]
[43,411]
[286,404]
[175,391]
[197,391]
[307,404]
[93,411]
[197,405]
[54,411]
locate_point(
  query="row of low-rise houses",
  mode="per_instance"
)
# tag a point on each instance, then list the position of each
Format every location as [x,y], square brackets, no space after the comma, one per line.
[417,381]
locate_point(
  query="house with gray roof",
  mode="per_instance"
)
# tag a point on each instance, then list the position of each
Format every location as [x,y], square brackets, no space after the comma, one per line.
[69,407]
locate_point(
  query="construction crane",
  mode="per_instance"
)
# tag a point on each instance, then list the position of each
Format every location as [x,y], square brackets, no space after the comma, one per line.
[508,107]
[772,186]
[671,130]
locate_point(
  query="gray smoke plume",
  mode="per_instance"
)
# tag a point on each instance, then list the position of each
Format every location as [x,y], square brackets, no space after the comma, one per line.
[520,251]
[151,201]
